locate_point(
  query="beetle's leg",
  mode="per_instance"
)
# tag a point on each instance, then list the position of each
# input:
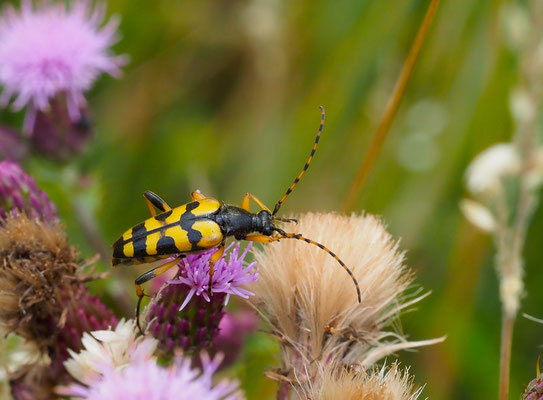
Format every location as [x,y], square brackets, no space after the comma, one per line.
[154,200]
[196,196]
[261,238]
[246,203]
[147,276]
[214,258]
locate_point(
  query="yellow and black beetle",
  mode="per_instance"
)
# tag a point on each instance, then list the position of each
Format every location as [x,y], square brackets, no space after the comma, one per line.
[200,225]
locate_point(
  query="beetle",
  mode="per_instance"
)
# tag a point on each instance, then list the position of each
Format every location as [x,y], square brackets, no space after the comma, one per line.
[202,224]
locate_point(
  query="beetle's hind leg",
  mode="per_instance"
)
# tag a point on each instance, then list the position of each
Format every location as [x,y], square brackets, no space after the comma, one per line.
[153,200]
[147,276]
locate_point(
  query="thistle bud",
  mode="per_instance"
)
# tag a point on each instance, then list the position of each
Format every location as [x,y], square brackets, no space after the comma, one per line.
[191,329]
[58,136]
[20,193]
[534,390]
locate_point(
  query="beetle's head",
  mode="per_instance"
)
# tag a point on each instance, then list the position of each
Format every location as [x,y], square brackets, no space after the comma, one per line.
[266,221]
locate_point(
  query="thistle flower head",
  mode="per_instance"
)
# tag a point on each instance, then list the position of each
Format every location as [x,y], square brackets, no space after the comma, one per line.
[183,315]
[48,49]
[311,303]
[339,383]
[228,276]
[107,349]
[19,193]
[139,376]
[42,298]
[38,282]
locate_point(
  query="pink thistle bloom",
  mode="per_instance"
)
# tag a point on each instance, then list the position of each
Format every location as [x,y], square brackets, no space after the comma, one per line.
[144,379]
[51,49]
[228,277]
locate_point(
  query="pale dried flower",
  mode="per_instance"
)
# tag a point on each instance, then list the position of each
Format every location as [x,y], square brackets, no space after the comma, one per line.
[522,105]
[511,290]
[108,349]
[338,383]
[311,303]
[478,215]
[21,354]
[517,24]
[486,172]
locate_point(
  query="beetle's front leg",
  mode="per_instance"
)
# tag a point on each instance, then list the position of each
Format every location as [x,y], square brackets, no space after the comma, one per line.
[261,238]
[246,202]
[214,258]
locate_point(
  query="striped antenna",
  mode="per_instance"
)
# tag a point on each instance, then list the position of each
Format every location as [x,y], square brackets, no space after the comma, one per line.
[289,190]
[297,236]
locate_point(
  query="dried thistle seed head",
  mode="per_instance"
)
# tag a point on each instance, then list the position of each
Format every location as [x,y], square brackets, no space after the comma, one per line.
[19,193]
[311,303]
[41,297]
[338,383]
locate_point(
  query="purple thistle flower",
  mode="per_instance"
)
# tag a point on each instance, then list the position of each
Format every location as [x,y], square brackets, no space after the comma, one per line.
[228,277]
[144,379]
[178,319]
[49,49]
[19,192]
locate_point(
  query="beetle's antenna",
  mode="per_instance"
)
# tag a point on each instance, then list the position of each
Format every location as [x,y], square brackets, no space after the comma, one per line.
[289,190]
[322,247]
[285,219]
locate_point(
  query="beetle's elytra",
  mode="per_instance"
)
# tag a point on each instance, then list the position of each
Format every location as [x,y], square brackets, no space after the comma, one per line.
[203,224]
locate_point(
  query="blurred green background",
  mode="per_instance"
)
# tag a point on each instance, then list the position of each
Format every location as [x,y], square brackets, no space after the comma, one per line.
[223,96]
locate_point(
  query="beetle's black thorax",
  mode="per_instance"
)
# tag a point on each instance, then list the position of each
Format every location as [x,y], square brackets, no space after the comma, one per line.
[235,221]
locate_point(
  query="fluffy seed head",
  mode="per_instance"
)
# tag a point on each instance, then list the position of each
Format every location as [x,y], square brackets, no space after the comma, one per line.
[311,303]
[48,49]
[348,384]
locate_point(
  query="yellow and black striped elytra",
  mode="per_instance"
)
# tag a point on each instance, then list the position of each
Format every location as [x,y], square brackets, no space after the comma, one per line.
[202,224]
[186,229]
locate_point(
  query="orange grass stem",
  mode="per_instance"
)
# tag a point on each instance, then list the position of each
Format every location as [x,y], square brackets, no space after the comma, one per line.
[505,354]
[390,110]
